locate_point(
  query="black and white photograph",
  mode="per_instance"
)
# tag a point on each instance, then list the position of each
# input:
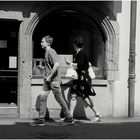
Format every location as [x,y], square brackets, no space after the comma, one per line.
[70,69]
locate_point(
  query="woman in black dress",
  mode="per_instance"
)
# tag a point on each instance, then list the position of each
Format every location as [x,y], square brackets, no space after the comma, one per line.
[82,86]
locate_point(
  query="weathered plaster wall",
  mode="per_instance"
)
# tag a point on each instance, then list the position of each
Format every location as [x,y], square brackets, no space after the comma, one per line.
[120,86]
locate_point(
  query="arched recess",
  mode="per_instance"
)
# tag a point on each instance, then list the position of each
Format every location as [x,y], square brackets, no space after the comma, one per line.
[110,31]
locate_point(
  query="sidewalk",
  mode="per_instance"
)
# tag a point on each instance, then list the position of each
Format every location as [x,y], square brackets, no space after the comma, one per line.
[109,128]
[12,121]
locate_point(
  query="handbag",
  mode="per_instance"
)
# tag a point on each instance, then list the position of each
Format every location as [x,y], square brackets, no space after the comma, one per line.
[71,73]
[91,72]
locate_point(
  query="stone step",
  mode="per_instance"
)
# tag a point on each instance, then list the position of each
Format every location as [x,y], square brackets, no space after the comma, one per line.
[8,112]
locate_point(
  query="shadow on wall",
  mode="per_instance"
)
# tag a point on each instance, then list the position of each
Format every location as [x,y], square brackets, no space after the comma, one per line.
[109,8]
[33,6]
[79,111]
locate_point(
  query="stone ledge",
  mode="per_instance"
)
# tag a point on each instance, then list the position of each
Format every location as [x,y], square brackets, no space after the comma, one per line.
[95,82]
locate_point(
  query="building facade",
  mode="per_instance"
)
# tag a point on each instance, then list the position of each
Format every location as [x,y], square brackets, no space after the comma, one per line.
[110,42]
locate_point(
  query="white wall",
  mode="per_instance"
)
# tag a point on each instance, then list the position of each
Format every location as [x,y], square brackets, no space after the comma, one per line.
[120,87]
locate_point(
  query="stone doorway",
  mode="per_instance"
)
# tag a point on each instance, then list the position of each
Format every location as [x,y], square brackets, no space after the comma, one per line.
[43,22]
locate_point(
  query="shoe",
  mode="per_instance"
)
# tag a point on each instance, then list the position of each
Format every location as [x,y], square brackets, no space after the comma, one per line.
[97,118]
[68,120]
[40,122]
[62,119]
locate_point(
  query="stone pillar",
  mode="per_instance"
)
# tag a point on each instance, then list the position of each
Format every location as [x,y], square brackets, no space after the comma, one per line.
[25,71]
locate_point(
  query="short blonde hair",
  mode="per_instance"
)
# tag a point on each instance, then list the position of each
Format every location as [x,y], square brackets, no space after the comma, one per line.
[48,39]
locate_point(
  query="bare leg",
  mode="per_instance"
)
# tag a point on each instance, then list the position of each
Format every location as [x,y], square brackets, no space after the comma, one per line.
[90,103]
[73,103]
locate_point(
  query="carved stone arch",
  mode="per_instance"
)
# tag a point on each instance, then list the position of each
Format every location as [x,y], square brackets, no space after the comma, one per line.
[110,30]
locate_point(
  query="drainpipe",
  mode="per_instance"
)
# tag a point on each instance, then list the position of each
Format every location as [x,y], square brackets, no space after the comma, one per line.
[132,53]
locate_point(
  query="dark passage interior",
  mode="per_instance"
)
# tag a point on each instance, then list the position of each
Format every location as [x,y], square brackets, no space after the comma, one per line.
[63,25]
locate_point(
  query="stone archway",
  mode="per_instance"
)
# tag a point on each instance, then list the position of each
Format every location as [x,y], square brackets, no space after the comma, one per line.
[110,30]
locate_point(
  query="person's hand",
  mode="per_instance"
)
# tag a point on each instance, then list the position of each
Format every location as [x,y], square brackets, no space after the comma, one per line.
[67,61]
[48,79]
[41,67]
[89,64]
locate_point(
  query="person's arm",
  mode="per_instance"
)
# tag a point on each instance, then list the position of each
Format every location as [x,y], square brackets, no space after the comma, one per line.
[54,70]
[74,65]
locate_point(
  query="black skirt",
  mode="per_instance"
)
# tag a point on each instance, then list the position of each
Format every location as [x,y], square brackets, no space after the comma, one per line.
[83,85]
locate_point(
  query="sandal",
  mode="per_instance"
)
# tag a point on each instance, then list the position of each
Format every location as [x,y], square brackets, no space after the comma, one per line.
[97,118]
